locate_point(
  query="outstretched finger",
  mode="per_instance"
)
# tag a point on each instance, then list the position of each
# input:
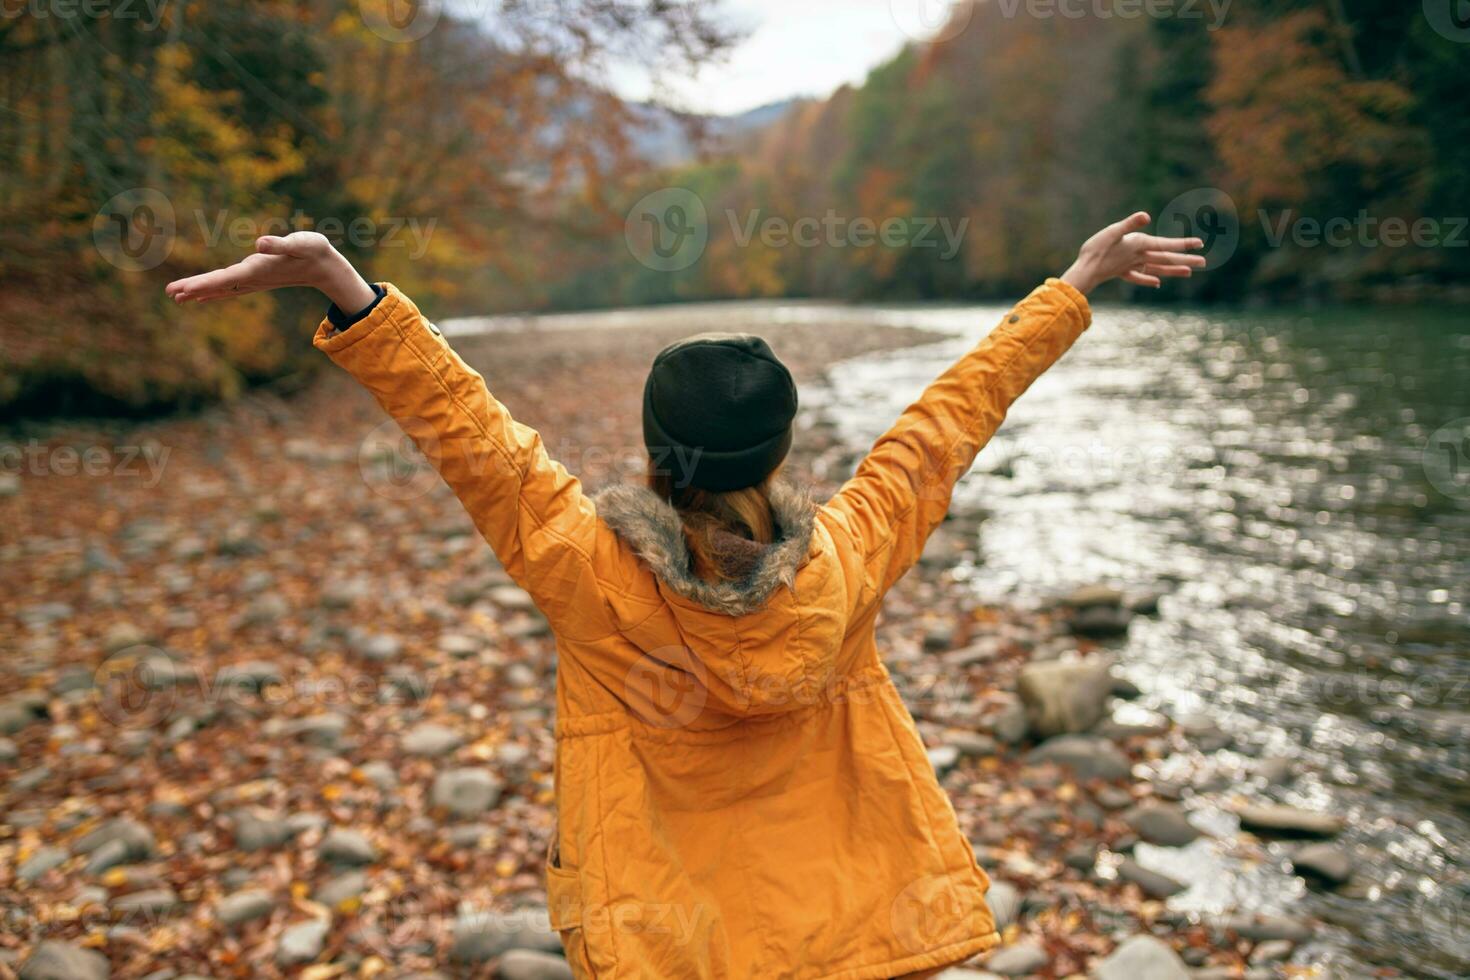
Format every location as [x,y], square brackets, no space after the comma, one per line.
[1154,243]
[1142,279]
[1172,271]
[230,281]
[1175,258]
[1136,221]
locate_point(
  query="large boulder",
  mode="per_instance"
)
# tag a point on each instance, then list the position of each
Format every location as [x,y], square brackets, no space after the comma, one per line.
[1065,697]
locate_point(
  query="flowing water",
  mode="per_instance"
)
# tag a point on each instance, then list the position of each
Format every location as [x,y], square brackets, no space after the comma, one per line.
[1270,468]
[1288,478]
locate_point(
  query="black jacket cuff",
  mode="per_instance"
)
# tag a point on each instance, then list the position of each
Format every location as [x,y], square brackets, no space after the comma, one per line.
[342,321]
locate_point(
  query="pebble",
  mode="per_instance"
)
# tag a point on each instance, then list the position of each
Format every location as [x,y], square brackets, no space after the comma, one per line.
[1009,724]
[1018,959]
[430,740]
[1005,903]
[302,942]
[973,745]
[459,646]
[1289,821]
[1154,884]
[482,936]
[1161,823]
[244,906]
[377,647]
[149,903]
[1271,951]
[258,830]
[9,753]
[1141,958]
[1265,928]
[943,758]
[1323,863]
[381,774]
[52,960]
[1088,758]
[465,792]
[982,651]
[252,675]
[45,859]
[342,890]
[136,840]
[344,846]
[530,964]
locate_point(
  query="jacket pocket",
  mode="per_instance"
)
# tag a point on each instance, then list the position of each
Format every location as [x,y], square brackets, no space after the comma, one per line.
[564,909]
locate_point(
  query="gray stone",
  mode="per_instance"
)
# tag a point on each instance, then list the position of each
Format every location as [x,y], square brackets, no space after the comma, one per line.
[979,652]
[1141,958]
[1154,884]
[973,745]
[1287,821]
[1161,823]
[529,964]
[45,859]
[245,906]
[1325,863]
[258,830]
[465,792]
[1266,927]
[342,889]
[459,646]
[52,960]
[343,846]
[512,597]
[431,740]
[482,936]
[15,715]
[1019,959]
[380,774]
[1088,758]
[302,942]
[1065,697]
[253,675]
[943,758]
[136,839]
[149,903]
[106,857]
[9,753]
[1271,951]
[377,647]
[1009,722]
[1092,597]
[324,729]
[1005,903]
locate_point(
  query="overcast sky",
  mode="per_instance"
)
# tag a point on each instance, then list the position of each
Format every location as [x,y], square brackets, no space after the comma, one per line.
[793,48]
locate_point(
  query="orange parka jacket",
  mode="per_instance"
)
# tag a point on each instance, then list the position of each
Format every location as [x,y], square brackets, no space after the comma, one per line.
[740,791]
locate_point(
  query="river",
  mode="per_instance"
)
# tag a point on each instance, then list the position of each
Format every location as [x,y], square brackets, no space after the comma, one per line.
[1269,471]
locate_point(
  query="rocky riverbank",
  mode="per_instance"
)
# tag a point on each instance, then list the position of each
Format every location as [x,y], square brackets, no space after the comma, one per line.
[271,708]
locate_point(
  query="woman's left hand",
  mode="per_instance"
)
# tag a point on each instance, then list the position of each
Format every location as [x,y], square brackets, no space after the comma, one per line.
[1123,251]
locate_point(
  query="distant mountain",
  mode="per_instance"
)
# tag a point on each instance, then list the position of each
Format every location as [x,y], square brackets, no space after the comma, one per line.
[669,139]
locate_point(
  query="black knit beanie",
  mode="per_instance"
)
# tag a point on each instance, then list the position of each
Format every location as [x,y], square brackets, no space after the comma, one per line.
[717,411]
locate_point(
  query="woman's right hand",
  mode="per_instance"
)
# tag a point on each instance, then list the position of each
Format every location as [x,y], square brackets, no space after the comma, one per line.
[304,258]
[1122,251]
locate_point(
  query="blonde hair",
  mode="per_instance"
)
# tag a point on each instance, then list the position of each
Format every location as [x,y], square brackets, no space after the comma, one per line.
[708,514]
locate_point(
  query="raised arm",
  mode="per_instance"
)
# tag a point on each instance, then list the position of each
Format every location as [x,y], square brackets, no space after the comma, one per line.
[901,491]
[528,507]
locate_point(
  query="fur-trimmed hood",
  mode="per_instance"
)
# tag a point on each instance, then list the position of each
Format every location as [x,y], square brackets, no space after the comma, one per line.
[652,528]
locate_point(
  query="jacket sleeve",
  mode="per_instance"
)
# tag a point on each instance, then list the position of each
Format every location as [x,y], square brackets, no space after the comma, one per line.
[529,508]
[901,491]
